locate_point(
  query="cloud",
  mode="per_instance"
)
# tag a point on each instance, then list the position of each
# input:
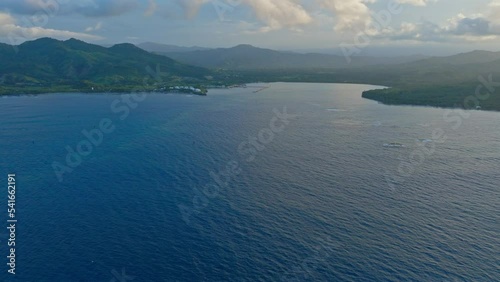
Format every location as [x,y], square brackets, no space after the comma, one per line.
[423,31]
[6,19]
[191,7]
[151,9]
[474,27]
[277,14]
[17,34]
[103,8]
[493,11]
[98,26]
[420,3]
[88,8]
[351,15]
[460,27]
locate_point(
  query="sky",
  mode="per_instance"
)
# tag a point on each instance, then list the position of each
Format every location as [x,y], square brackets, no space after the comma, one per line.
[404,26]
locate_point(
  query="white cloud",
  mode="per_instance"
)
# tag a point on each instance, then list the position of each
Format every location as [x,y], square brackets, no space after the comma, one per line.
[458,28]
[6,19]
[277,14]
[17,34]
[472,25]
[98,26]
[494,11]
[351,15]
[420,3]
[483,26]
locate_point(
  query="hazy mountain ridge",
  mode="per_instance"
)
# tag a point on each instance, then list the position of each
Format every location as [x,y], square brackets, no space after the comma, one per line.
[473,57]
[246,56]
[166,48]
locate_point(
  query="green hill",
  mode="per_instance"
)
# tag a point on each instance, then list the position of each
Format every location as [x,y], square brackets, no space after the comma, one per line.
[48,65]
[442,82]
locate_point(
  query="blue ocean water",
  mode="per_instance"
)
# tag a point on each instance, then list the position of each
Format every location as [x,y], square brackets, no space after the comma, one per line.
[230,188]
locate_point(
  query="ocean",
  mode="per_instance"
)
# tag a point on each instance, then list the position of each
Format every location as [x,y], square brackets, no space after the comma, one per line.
[291,183]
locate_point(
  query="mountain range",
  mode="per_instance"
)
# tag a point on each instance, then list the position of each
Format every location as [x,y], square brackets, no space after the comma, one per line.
[76,65]
[49,65]
[166,48]
[245,57]
[414,80]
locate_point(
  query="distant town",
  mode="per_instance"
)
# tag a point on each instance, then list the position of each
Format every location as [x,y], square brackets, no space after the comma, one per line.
[183,89]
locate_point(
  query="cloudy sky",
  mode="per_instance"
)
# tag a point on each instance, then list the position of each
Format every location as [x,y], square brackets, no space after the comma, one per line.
[281,24]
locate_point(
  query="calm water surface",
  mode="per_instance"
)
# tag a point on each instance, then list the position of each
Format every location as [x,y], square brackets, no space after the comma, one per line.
[321,200]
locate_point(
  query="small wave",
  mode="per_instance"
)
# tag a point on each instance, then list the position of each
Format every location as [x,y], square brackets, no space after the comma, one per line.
[315,104]
[424,124]
[394,145]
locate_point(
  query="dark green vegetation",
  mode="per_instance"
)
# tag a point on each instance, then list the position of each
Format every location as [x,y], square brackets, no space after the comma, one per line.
[459,96]
[48,65]
[466,81]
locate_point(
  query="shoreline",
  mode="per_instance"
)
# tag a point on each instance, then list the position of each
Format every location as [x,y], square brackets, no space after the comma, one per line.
[382,98]
[454,97]
[431,106]
[73,91]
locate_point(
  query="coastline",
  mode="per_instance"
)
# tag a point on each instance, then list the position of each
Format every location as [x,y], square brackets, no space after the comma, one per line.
[42,91]
[445,97]
[386,95]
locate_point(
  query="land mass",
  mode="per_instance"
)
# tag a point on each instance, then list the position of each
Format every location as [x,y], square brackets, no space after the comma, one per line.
[49,65]
[466,80]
